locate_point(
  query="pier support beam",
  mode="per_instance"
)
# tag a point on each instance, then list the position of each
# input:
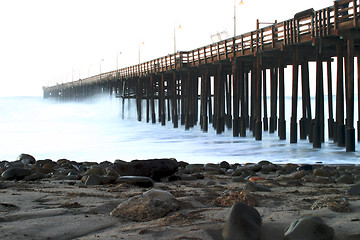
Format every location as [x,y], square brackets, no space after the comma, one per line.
[340,127]
[350,131]
[258,122]
[282,121]
[319,104]
[236,99]
[243,101]
[273,99]
[330,101]
[295,78]
[265,119]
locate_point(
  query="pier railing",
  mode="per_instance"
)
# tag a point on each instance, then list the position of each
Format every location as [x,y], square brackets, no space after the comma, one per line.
[304,27]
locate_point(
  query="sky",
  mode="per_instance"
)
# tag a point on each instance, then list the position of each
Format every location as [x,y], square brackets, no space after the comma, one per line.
[45,42]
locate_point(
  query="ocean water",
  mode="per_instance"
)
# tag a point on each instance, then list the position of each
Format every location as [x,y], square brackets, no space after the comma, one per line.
[94,130]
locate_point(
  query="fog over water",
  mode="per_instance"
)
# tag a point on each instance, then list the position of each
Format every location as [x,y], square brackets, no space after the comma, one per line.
[95,131]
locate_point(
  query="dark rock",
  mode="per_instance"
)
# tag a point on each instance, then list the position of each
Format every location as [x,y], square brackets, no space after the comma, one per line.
[35,176]
[153,168]
[321,172]
[136,180]
[153,204]
[325,180]
[95,170]
[108,179]
[305,167]
[309,228]
[347,179]
[26,159]
[174,178]
[244,223]
[289,168]
[92,180]
[15,173]
[354,190]
[194,168]
[254,187]
[238,179]
[225,165]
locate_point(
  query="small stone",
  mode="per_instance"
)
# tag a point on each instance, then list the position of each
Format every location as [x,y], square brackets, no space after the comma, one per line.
[95,170]
[346,179]
[35,176]
[321,172]
[354,190]
[254,187]
[324,180]
[194,168]
[136,180]
[238,179]
[305,167]
[309,228]
[244,223]
[92,180]
[289,168]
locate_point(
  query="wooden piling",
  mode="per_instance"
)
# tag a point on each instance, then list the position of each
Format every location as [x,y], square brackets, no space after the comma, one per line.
[265,119]
[273,99]
[330,101]
[340,98]
[350,131]
[236,99]
[293,119]
[282,121]
[258,122]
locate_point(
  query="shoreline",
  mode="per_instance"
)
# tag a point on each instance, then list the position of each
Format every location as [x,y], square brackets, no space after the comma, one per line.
[72,200]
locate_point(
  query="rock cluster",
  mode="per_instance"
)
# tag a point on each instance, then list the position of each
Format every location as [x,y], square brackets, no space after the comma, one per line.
[250,184]
[141,173]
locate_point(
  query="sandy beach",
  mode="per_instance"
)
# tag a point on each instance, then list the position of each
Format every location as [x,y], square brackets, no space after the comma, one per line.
[63,205]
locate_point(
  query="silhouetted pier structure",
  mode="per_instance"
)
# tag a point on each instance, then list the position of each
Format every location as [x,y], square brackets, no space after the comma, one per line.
[224,83]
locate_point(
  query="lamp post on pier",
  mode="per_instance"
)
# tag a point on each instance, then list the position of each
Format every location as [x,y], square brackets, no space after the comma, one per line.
[240,3]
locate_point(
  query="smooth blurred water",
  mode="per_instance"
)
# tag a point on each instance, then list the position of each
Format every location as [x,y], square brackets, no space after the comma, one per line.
[95,131]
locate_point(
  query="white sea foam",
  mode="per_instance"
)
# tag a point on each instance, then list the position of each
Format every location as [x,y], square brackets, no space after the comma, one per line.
[95,131]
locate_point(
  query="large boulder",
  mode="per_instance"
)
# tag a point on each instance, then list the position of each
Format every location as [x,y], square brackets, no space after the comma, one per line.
[309,228]
[15,173]
[244,223]
[153,168]
[151,205]
[26,159]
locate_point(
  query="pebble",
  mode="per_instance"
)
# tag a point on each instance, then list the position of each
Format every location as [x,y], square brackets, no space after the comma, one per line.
[321,172]
[309,228]
[244,223]
[254,187]
[136,180]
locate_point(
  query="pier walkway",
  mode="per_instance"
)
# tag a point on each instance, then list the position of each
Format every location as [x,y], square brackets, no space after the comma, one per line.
[224,84]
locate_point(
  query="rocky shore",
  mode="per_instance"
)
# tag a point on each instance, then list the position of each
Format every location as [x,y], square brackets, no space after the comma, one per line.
[171,200]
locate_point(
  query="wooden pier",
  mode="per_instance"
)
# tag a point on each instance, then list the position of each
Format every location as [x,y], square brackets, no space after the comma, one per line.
[224,84]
